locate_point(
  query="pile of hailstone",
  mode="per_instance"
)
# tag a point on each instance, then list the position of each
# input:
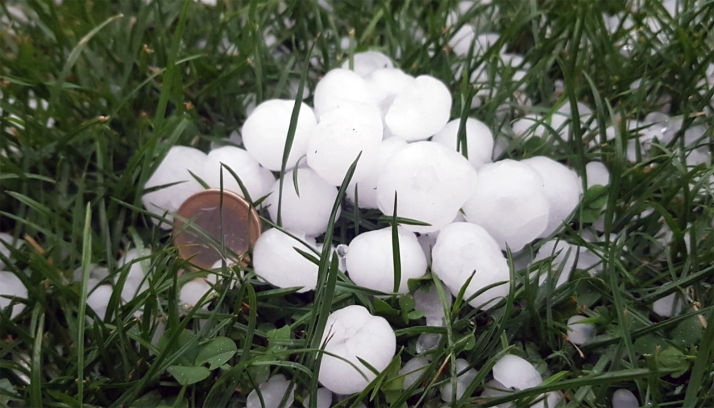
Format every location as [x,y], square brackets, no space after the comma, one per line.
[471,209]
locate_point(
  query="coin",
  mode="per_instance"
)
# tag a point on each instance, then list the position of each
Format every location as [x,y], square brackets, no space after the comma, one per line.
[210,219]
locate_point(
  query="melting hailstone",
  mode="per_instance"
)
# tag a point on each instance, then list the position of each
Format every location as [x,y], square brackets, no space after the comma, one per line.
[479,140]
[276,259]
[420,110]
[257,179]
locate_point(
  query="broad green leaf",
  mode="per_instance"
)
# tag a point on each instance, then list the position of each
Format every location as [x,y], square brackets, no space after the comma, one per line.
[216,352]
[188,375]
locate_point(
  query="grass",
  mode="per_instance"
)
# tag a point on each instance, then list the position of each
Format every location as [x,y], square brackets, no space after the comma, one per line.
[124,81]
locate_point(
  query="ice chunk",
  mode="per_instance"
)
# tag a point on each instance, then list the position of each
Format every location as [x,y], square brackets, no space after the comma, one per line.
[597,174]
[353,332]
[429,303]
[564,259]
[465,377]
[324,399]
[273,391]
[12,287]
[307,212]
[432,183]
[370,261]
[385,84]
[561,187]
[549,400]
[515,372]
[364,63]
[561,119]
[192,292]
[276,260]
[420,110]
[98,299]
[135,283]
[367,188]
[531,125]
[668,306]
[579,333]
[342,134]
[479,140]
[257,179]
[463,249]
[495,389]
[265,133]
[7,243]
[338,86]
[174,168]
[509,201]
[413,370]
[427,342]
[623,398]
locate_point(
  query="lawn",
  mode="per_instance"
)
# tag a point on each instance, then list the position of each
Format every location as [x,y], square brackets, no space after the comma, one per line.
[97,308]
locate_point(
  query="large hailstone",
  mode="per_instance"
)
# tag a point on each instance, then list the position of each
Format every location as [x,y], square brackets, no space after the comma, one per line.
[193,291]
[11,286]
[509,201]
[531,125]
[562,189]
[564,115]
[265,133]
[515,372]
[580,332]
[337,87]
[324,399]
[272,392]
[139,264]
[257,179]
[366,194]
[463,248]
[98,299]
[463,381]
[350,333]
[385,84]
[364,63]
[308,212]
[597,174]
[370,262]
[174,169]
[623,398]
[420,110]
[432,182]
[276,260]
[479,140]
[342,134]
[413,370]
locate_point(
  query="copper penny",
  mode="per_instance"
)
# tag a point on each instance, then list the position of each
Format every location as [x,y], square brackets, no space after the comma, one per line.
[202,220]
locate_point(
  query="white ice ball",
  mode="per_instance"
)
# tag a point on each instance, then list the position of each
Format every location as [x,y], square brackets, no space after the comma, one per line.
[98,299]
[257,179]
[623,398]
[265,133]
[432,182]
[385,84]
[562,189]
[174,168]
[412,370]
[308,212]
[465,376]
[272,392]
[672,304]
[597,174]
[139,264]
[370,261]
[509,201]
[420,110]
[353,332]
[579,332]
[531,125]
[324,399]
[342,134]
[366,195]
[338,86]
[515,372]
[192,292]
[364,63]
[463,249]
[479,140]
[12,286]
[276,260]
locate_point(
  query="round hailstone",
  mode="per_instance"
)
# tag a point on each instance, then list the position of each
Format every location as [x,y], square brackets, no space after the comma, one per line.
[257,179]
[532,125]
[364,63]
[515,372]
[494,389]
[276,260]
[385,84]
[597,174]
[308,212]
[11,286]
[562,189]
[370,262]
[338,86]
[463,381]
[342,134]
[324,399]
[98,299]
[432,183]
[460,42]
[463,248]
[7,243]
[272,392]
[623,398]
[564,114]
[670,305]
[420,110]
[479,140]
[367,188]
[509,201]
[579,333]
[564,255]
[352,332]
[192,292]
[173,169]
[266,130]
[135,283]
[413,370]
